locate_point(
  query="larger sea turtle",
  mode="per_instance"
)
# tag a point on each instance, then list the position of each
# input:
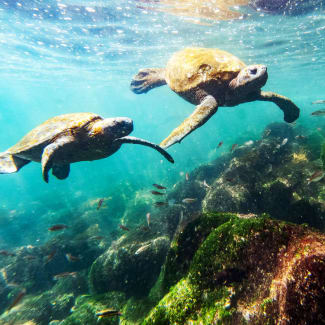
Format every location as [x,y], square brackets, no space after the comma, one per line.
[210,78]
[69,138]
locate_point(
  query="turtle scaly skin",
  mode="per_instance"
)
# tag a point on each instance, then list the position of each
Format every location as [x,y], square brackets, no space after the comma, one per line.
[210,78]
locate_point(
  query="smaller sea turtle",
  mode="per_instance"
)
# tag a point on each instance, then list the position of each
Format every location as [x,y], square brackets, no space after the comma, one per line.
[69,138]
[210,78]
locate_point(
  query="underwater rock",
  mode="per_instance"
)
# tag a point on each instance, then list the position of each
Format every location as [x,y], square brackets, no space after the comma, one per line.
[27,269]
[40,309]
[252,270]
[271,177]
[53,304]
[86,306]
[4,291]
[188,238]
[34,268]
[130,265]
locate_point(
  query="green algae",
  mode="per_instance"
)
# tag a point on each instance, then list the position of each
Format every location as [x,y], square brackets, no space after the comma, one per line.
[176,307]
[322,155]
[185,244]
[86,307]
[222,249]
[201,296]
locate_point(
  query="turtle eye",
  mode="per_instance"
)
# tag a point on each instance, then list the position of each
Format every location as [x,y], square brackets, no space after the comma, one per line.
[253,71]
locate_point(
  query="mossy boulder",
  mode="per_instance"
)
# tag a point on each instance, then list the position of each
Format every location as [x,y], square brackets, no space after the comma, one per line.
[131,267]
[249,270]
[188,237]
[271,177]
[41,309]
[86,306]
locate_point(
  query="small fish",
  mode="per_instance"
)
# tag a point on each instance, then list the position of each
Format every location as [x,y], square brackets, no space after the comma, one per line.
[321,101]
[205,184]
[300,137]
[187,176]
[72,258]
[64,275]
[160,203]
[100,202]
[316,176]
[13,285]
[30,257]
[249,143]
[49,257]
[57,227]
[230,179]
[233,147]
[108,313]
[142,249]
[320,112]
[189,200]
[246,215]
[124,228]
[157,193]
[220,144]
[6,253]
[148,215]
[285,140]
[96,237]
[19,297]
[160,187]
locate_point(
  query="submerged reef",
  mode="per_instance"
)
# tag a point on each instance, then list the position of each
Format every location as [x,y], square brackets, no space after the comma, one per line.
[248,270]
[240,240]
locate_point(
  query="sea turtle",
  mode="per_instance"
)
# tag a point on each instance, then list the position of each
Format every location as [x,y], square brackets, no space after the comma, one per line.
[210,78]
[69,138]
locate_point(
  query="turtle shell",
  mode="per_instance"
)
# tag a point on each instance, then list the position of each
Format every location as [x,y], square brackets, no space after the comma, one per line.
[190,67]
[52,128]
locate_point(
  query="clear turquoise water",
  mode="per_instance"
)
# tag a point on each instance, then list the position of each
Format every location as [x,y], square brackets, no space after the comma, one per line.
[79,56]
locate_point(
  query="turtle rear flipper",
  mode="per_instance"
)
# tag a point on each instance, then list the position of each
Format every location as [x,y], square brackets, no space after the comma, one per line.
[10,163]
[61,171]
[146,79]
[290,110]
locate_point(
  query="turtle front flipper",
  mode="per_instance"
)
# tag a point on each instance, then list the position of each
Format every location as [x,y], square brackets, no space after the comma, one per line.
[290,110]
[51,154]
[202,113]
[146,79]
[143,142]
[10,163]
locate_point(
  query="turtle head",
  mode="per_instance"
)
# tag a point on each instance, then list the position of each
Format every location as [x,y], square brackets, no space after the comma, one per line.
[112,128]
[249,79]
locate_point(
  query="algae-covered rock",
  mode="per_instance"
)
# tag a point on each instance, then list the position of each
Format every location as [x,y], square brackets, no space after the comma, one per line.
[86,307]
[250,270]
[41,309]
[272,177]
[188,238]
[129,266]
[322,155]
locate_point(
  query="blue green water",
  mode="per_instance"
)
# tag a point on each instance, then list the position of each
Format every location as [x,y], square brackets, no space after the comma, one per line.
[70,56]
[79,56]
